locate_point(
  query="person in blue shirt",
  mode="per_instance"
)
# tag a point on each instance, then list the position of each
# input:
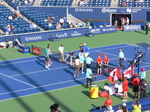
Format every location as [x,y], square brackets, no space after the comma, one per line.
[88,61]
[121,58]
[47,57]
[89,76]
[81,51]
[86,50]
[143,74]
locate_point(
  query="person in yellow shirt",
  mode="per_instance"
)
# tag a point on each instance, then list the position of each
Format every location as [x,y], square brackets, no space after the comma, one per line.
[137,107]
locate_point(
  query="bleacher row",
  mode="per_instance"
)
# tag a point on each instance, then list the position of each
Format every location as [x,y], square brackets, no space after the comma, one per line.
[144,3]
[22,26]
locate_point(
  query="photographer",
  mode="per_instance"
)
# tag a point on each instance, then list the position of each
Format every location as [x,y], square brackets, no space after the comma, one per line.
[143,86]
[137,107]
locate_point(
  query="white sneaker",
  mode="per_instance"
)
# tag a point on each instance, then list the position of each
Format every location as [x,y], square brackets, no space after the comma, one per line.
[124,100]
[49,65]
[82,72]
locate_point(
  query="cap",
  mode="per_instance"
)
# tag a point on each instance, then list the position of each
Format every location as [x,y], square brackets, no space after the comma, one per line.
[124,104]
[110,107]
[137,75]
[98,54]
[108,96]
[105,54]
[84,44]
[143,69]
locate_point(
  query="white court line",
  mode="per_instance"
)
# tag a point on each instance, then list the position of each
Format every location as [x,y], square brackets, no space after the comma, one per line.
[44,70]
[56,56]
[39,71]
[117,55]
[67,51]
[41,86]
[17,80]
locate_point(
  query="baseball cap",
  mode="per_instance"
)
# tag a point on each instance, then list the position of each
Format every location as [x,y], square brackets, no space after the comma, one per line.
[143,69]
[137,75]
[110,107]
[98,54]
[105,54]
[124,104]
[84,44]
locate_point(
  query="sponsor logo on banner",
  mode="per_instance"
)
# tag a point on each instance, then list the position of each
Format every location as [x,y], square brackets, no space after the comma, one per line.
[132,27]
[108,10]
[133,10]
[95,30]
[61,35]
[76,34]
[33,38]
[36,50]
[109,29]
[83,10]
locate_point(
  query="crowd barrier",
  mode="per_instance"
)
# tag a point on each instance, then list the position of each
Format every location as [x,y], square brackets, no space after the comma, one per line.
[145,102]
[67,33]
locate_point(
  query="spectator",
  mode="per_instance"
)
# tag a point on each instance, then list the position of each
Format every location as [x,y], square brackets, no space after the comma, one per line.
[50,25]
[143,86]
[58,26]
[76,25]
[33,26]
[137,107]
[12,29]
[16,42]
[54,108]
[124,108]
[61,21]
[10,18]
[71,25]
[119,109]
[7,29]
[143,74]
[25,2]
[81,3]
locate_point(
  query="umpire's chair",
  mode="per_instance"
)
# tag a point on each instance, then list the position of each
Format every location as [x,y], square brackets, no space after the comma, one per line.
[53,38]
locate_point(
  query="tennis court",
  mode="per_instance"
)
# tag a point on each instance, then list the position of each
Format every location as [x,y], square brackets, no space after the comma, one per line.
[27,76]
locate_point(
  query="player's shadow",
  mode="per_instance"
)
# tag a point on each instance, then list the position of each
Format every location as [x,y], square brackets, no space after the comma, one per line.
[140,32]
[86,93]
[33,83]
[68,71]
[40,61]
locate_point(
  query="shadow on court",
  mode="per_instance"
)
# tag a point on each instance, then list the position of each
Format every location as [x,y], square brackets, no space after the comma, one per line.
[32,82]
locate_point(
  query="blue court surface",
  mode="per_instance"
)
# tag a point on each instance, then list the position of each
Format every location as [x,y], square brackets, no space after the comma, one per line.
[27,76]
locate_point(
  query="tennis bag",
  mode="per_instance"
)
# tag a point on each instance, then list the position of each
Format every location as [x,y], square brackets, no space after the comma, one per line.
[103,93]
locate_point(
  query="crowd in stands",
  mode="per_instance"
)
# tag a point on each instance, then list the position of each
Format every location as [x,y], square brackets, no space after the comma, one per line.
[22,2]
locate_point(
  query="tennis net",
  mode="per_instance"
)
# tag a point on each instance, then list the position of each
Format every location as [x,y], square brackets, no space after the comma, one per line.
[37,50]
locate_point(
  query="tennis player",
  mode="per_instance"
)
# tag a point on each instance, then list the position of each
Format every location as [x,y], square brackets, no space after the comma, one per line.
[47,57]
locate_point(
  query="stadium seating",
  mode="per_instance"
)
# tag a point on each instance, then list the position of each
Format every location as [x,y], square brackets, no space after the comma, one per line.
[145,3]
[56,2]
[19,3]
[20,25]
[38,18]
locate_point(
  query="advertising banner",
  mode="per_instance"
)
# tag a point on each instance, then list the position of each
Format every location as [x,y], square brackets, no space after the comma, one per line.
[102,30]
[131,27]
[47,35]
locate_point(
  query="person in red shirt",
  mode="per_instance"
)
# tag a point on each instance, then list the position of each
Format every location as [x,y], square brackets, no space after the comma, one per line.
[125,89]
[106,61]
[108,102]
[99,64]
[136,83]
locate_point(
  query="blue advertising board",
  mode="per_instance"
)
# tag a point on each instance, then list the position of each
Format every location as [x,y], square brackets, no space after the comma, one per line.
[132,28]
[47,35]
[102,30]
[105,13]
